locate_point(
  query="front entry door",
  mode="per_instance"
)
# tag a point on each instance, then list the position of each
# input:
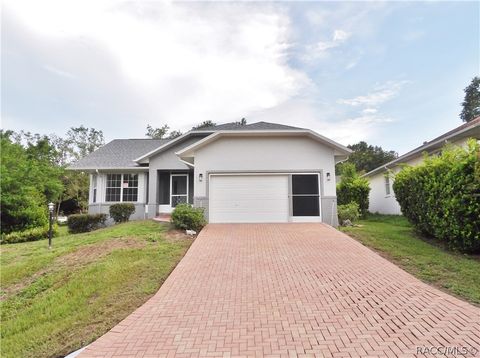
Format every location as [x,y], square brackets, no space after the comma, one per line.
[178,189]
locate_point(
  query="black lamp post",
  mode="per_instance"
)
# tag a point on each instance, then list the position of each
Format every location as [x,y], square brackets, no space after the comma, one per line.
[51,206]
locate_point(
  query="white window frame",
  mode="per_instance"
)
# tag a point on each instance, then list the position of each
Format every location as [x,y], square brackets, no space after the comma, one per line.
[171,192]
[121,187]
[94,187]
[388,189]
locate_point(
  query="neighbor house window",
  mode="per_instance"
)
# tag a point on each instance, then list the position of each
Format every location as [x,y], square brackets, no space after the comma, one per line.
[94,186]
[387,185]
[122,187]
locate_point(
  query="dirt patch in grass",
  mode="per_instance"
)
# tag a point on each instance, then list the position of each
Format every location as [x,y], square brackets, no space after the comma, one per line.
[74,260]
[177,235]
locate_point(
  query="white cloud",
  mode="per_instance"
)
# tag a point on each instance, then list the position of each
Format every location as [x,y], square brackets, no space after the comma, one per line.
[378,96]
[320,49]
[183,63]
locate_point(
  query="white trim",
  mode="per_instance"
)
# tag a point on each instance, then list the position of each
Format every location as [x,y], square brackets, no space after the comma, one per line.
[189,150]
[171,192]
[121,188]
[167,144]
[424,148]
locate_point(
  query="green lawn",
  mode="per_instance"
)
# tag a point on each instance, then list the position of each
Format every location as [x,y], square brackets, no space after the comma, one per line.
[394,238]
[56,301]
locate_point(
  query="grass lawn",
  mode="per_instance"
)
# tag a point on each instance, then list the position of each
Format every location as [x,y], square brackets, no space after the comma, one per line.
[56,301]
[394,238]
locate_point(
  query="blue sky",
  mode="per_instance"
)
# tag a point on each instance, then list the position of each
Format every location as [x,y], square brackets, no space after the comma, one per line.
[389,73]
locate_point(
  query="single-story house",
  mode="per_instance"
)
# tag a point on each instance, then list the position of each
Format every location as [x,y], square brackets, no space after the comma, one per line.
[260,172]
[382,198]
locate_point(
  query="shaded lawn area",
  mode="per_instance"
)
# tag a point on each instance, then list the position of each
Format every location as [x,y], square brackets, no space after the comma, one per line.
[56,301]
[394,238]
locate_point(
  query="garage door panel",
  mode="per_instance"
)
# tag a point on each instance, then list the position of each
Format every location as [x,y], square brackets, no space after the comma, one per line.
[248,198]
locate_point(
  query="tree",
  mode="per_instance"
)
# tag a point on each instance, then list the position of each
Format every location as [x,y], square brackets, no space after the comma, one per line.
[471,103]
[157,133]
[29,180]
[241,122]
[82,141]
[367,157]
[205,124]
[174,134]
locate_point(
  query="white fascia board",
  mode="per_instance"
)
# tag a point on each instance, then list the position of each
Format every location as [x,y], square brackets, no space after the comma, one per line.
[188,151]
[419,151]
[143,158]
[109,169]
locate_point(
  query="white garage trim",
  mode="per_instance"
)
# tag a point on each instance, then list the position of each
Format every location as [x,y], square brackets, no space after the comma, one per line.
[276,207]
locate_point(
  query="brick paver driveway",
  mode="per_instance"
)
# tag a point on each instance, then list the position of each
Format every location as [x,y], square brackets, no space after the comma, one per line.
[289,290]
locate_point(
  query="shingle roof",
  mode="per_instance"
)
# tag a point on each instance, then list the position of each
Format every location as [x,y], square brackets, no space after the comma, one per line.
[118,153]
[467,130]
[121,153]
[253,126]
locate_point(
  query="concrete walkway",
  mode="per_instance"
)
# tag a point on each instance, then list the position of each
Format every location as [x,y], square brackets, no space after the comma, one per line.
[288,290]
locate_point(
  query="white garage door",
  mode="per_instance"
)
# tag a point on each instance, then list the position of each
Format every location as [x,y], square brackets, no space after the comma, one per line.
[248,198]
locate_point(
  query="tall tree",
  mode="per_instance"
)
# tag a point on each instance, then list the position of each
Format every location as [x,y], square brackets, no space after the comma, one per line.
[157,133]
[471,103]
[205,124]
[241,122]
[82,141]
[368,157]
[29,180]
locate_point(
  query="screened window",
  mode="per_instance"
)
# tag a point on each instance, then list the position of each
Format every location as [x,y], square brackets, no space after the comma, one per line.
[305,195]
[122,187]
[387,185]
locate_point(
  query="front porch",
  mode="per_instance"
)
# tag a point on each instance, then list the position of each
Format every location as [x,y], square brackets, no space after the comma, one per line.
[170,188]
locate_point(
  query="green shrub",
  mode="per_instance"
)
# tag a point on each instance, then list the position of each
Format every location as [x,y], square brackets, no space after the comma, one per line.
[121,213]
[353,188]
[348,212]
[34,234]
[441,196]
[187,217]
[85,222]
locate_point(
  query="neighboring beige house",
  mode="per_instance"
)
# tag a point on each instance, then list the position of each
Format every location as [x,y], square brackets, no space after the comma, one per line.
[382,198]
[260,172]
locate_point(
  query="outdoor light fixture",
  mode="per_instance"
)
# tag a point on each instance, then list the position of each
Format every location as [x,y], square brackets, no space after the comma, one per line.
[328,176]
[51,206]
[200,177]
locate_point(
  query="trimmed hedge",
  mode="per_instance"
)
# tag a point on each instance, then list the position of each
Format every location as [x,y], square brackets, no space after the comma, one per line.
[186,217]
[348,212]
[441,196]
[85,222]
[121,213]
[34,234]
[353,188]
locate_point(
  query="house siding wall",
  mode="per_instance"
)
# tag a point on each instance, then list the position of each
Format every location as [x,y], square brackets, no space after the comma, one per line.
[280,154]
[382,203]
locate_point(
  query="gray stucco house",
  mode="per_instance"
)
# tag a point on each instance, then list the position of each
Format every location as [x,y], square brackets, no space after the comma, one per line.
[260,172]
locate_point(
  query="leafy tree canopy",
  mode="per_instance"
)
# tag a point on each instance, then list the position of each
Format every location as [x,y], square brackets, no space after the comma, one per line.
[367,157]
[205,124]
[471,103]
[157,133]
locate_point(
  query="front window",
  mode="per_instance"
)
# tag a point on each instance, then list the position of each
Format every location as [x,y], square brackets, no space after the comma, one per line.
[122,187]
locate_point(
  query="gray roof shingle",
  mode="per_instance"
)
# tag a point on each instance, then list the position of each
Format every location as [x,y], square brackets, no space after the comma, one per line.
[253,126]
[118,153]
[121,153]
